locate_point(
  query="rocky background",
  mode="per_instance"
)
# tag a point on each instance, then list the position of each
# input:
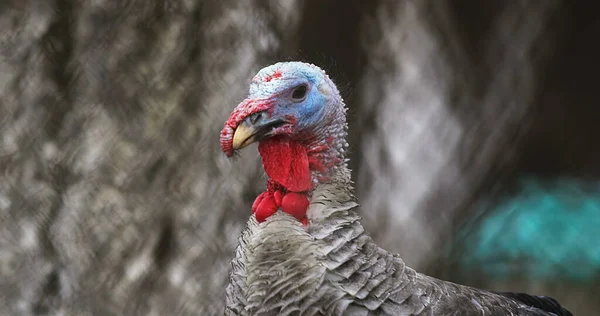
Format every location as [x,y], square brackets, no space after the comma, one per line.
[116,200]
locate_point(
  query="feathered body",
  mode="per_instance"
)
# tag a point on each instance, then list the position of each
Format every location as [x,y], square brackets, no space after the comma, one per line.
[315,258]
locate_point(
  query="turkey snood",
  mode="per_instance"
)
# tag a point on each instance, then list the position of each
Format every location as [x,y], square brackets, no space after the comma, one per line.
[304,251]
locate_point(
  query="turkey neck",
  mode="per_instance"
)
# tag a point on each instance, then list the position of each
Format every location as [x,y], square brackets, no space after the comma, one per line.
[327,149]
[362,272]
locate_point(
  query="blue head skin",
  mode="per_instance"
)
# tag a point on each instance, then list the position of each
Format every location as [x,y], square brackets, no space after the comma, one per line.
[304,97]
[292,100]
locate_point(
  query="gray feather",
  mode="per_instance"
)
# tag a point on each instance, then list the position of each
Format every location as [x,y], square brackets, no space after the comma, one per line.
[333,267]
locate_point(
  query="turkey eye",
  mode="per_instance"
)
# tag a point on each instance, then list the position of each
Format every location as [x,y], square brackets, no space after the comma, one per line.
[299,93]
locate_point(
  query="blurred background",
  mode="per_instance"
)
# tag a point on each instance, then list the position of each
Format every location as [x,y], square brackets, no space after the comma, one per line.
[473,130]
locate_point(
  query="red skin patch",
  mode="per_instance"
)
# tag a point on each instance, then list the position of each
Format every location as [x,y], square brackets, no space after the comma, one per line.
[276,75]
[286,164]
[267,203]
[264,206]
[295,204]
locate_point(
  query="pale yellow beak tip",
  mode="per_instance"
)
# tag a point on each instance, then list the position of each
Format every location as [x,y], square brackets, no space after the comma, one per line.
[243,136]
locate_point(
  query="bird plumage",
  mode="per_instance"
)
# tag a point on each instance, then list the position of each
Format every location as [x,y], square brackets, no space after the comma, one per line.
[334,268]
[331,266]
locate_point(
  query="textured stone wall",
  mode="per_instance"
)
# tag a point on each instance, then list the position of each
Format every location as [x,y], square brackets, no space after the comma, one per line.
[116,200]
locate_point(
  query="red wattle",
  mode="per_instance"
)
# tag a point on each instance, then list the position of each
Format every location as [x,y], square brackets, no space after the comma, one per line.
[266,206]
[295,204]
[286,162]
[278,196]
[258,200]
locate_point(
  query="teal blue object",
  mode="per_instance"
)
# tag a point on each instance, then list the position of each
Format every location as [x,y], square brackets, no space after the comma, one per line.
[545,230]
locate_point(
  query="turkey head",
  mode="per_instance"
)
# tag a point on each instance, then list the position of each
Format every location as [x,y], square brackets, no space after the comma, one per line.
[296,114]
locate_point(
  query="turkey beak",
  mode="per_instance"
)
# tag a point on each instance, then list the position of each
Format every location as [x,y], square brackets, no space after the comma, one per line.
[243,136]
[254,128]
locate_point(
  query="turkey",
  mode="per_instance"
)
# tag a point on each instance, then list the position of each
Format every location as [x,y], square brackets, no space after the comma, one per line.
[304,251]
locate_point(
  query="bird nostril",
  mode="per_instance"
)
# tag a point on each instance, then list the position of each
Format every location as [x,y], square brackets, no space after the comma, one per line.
[257,117]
